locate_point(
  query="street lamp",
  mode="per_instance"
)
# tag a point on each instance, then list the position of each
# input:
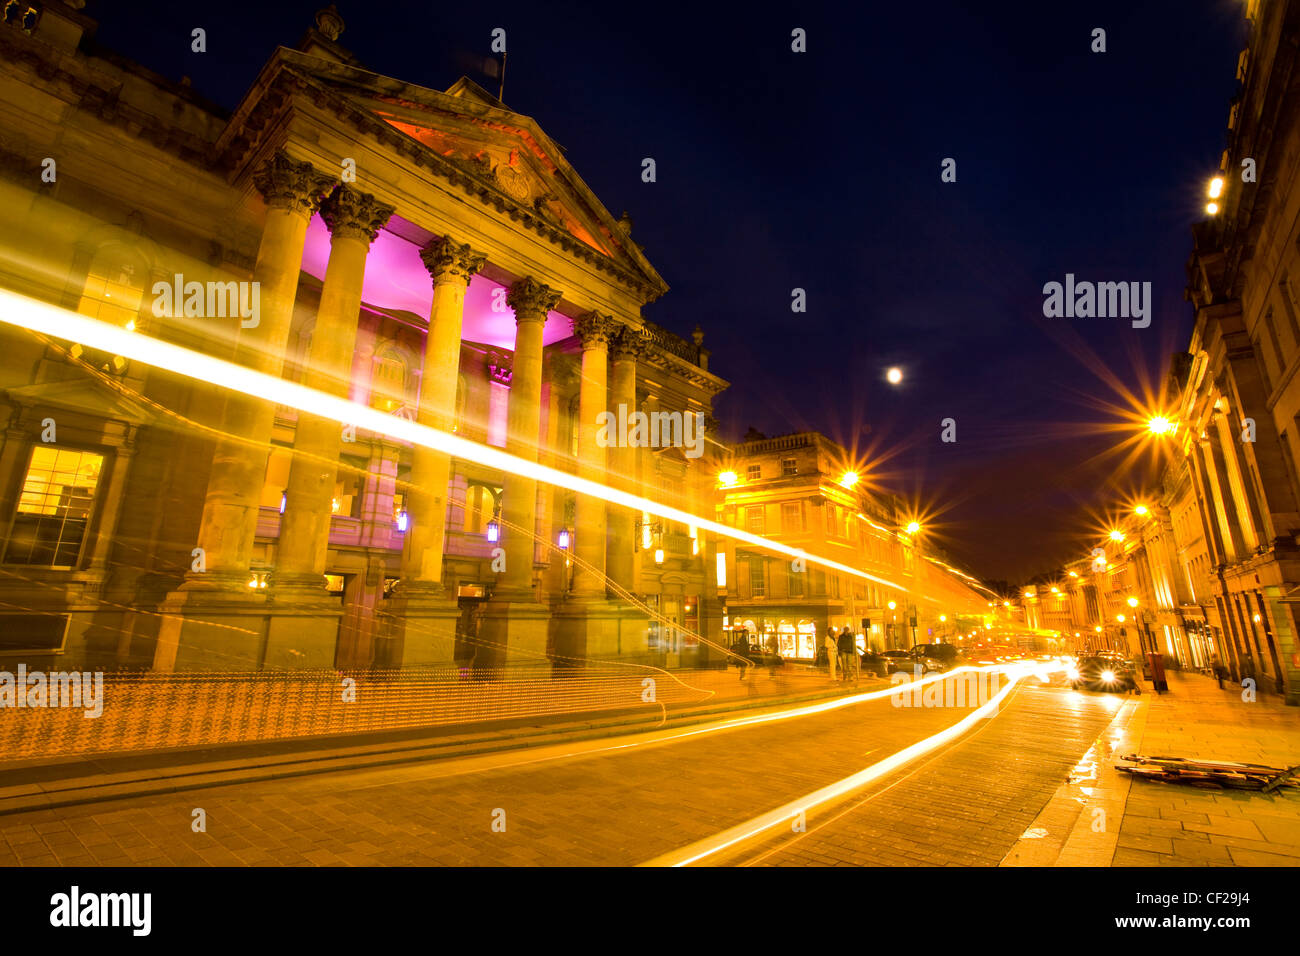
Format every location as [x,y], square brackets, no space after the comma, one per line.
[913,527]
[1141,511]
[728,479]
[1132,602]
[1116,535]
[849,479]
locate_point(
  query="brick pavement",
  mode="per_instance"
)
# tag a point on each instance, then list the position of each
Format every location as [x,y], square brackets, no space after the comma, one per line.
[1175,825]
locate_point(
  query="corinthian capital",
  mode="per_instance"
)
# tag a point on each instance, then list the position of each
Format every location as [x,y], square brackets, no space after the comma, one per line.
[352,214]
[594,329]
[451,261]
[531,300]
[628,343]
[286,184]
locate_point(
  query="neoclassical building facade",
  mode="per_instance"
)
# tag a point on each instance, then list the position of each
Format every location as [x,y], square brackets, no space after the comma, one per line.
[431,255]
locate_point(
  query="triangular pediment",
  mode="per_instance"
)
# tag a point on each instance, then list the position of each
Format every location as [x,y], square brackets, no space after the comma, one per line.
[84,394]
[505,151]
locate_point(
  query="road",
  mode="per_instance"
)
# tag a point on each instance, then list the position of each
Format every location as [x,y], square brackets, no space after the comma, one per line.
[622,800]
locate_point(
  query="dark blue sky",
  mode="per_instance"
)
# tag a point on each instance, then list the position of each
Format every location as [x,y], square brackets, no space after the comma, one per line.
[821,170]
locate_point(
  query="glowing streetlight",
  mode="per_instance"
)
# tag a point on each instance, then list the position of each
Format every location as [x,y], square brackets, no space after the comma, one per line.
[1215,189]
[1074,574]
[892,605]
[1132,602]
[913,527]
[1160,425]
[1212,208]
[1120,618]
[1097,628]
[894,376]
[728,479]
[849,479]
[1116,535]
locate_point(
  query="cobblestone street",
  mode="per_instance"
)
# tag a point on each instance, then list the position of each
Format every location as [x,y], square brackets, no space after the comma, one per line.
[627,804]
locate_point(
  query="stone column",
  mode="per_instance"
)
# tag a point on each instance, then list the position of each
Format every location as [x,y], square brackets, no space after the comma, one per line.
[452,265]
[354,219]
[293,192]
[593,330]
[626,347]
[514,623]
[421,617]
[531,301]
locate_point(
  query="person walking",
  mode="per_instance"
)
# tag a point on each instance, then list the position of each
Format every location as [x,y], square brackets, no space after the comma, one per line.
[847,651]
[831,643]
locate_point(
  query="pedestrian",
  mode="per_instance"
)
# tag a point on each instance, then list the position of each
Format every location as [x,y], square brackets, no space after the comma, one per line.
[1217,668]
[832,649]
[847,650]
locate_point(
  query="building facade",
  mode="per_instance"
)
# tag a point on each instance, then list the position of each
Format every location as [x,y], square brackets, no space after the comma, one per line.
[1238,395]
[803,491]
[431,255]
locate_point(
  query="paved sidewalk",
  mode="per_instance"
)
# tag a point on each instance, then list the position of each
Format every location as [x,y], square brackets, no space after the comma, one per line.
[1101,817]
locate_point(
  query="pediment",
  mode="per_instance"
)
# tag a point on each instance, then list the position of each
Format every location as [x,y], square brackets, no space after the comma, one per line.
[505,151]
[86,395]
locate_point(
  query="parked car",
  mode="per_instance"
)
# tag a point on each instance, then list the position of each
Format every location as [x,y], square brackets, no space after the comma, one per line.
[1103,671]
[754,653]
[945,654]
[906,662]
[873,663]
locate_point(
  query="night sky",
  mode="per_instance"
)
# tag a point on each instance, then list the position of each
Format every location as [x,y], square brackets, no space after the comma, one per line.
[821,170]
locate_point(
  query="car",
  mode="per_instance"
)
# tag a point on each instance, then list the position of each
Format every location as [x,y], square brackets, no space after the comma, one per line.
[905,662]
[873,663]
[945,654]
[1103,671]
[744,650]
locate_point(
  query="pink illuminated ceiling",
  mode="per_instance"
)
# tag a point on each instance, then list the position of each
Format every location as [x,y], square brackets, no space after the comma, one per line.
[396,279]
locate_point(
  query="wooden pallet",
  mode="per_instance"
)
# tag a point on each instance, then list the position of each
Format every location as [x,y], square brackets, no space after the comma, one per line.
[1212,774]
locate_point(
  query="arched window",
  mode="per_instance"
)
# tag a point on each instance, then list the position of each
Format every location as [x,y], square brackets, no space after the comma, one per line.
[481,506]
[387,379]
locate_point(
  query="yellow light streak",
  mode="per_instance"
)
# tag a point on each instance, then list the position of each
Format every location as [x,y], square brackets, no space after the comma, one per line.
[46,319]
[784,814]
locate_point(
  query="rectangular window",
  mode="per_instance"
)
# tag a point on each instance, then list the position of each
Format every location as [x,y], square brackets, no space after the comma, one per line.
[754,522]
[1272,361]
[757,579]
[754,472]
[789,467]
[794,582]
[792,517]
[54,507]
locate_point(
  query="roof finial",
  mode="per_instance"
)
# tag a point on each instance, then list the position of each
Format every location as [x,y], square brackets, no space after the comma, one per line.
[329,23]
[698,335]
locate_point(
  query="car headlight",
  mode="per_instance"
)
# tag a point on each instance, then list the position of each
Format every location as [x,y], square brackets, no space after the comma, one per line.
[1108,676]
[1072,673]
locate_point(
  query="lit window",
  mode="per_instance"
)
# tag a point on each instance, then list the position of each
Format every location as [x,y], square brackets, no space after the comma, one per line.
[54,507]
[757,580]
[754,522]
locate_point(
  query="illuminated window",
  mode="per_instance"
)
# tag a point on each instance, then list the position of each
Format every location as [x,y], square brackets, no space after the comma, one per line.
[349,486]
[54,507]
[754,472]
[387,381]
[754,522]
[113,291]
[480,507]
[757,579]
[789,467]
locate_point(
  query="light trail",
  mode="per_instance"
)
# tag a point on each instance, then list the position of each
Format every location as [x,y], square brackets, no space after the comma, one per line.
[785,814]
[44,318]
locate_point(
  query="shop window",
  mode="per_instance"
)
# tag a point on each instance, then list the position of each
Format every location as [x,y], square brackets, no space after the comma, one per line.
[807,631]
[54,507]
